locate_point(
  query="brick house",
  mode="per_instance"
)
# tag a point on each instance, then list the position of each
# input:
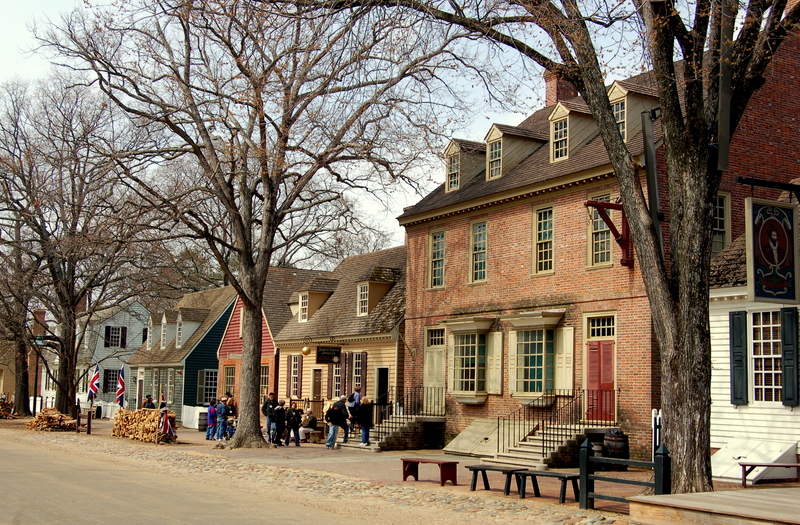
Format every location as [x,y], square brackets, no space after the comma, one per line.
[519,300]
[281,284]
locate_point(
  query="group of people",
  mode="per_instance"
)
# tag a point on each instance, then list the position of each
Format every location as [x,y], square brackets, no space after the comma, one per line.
[218,417]
[350,413]
[283,423]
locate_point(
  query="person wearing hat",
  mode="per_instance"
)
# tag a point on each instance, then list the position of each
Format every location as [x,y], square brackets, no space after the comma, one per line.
[148,402]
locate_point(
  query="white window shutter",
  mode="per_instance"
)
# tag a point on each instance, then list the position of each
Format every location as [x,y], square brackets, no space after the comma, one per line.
[512,361]
[451,343]
[494,363]
[565,350]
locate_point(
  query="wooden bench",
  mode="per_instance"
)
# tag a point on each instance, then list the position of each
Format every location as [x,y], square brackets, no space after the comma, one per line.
[749,466]
[508,471]
[533,474]
[447,469]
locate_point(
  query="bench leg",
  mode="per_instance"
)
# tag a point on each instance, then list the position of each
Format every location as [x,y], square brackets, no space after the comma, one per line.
[521,486]
[535,484]
[575,490]
[474,482]
[410,468]
[562,495]
[485,480]
[447,473]
[507,486]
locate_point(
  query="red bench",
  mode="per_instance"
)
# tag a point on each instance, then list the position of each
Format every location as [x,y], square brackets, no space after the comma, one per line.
[447,469]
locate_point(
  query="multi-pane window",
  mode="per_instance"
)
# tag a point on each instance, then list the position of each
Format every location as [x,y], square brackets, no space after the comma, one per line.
[479,251]
[601,236]
[767,357]
[170,385]
[560,139]
[263,383]
[110,380]
[303,307]
[601,327]
[337,381]
[469,363]
[115,337]
[49,384]
[294,376]
[437,259]
[178,334]
[719,233]
[534,361]
[363,299]
[495,159]
[230,376]
[544,240]
[436,337]
[619,115]
[358,369]
[208,380]
[453,172]
[163,334]
[154,383]
[83,385]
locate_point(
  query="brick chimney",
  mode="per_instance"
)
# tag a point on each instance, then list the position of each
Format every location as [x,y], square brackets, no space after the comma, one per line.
[39,325]
[557,89]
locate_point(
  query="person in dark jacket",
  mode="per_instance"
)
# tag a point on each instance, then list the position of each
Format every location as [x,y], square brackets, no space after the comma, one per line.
[211,419]
[222,422]
[268,409]
[293,417]
[364,418]
[336,417]
[279,415]
[148,402]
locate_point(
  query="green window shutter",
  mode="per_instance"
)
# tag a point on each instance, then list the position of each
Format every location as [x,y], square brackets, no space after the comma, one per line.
[201,386]
[789,346]
[738,341]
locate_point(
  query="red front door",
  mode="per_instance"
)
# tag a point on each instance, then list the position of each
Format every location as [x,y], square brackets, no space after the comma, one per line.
[600,381]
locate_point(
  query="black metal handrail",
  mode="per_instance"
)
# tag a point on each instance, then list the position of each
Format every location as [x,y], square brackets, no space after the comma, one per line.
[416,402]
[556,415]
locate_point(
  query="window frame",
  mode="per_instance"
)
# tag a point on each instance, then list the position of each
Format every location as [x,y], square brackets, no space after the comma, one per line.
[210,385]
[494,159]
[475,274]
[453,179]
[263,382]
[594,234]
[546,367]
[559,138]
[358,369]
[178,333]
[294,376]
[725,232]
[758,390]
[303,311]
[537,244]
[436,272]
[362,299]
[622,123]
[459,363]
[228,386]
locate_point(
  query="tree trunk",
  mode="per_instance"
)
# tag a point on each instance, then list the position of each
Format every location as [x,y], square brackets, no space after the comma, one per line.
[248,431]
[22,404]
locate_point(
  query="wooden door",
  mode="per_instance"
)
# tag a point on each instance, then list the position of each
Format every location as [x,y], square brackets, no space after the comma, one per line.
[600,402]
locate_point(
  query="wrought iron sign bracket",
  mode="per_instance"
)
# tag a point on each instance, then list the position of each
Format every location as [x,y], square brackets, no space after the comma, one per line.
[623,237]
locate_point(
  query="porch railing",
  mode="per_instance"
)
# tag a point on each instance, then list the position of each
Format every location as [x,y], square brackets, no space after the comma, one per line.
[557,415]
[389,416]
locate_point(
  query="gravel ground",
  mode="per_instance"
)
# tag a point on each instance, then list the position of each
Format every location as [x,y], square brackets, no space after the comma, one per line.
[385,503]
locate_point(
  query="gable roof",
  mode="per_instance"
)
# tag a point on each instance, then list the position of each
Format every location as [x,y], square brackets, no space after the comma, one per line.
[337,316]
[282,284]
[208,304]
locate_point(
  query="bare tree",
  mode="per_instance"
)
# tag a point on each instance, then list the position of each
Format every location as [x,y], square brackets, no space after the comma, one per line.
[58,188]
[283,111]
[570,38]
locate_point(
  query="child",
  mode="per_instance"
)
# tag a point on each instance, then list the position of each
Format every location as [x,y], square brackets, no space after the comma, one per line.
[212,420]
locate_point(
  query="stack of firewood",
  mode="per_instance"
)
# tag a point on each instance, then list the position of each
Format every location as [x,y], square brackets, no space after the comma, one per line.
[141,425]
[7,410]
[50,419]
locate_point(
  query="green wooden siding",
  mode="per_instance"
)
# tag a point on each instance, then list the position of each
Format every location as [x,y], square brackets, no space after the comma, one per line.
[203,357]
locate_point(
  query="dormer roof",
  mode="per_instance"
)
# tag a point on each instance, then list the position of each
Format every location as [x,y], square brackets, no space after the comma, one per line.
[468,145]
[193,315]
[517,131]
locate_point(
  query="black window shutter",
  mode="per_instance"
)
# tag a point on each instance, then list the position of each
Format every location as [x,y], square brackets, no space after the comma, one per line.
[123,337]
[300,376]
[107,341]
[288,377]
[330,382]
[106,379]
[738,338]
[363,373]
[789,346]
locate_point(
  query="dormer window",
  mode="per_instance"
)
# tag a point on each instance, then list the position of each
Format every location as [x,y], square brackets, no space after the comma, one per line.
[363,299]
[179,333]
[303,307]
[560,139]
[150,335]
[163,334]
[495,159]
[453,172]
[619,116]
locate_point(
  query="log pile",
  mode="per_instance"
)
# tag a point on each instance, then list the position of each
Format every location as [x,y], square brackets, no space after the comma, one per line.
[7,410]
[50,419]
[141,425]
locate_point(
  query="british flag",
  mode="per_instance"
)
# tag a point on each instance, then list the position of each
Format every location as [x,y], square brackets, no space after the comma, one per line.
[94,383]
[121,387]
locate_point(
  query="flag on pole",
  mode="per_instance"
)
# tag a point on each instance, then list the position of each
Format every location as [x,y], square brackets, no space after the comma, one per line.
[166,426]
[121,387]
[94,383]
